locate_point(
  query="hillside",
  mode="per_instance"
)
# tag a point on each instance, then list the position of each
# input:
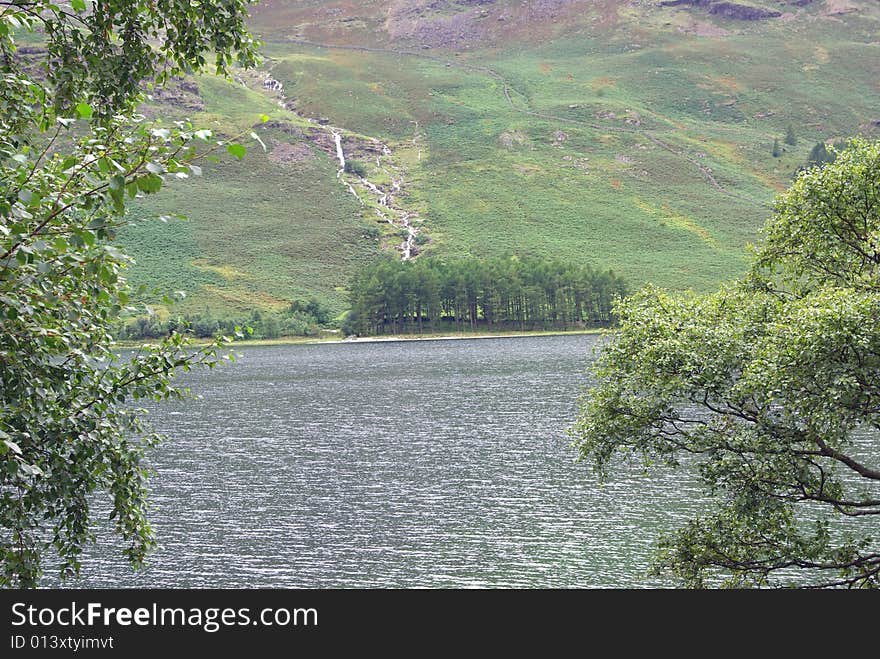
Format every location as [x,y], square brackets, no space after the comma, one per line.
[629,134]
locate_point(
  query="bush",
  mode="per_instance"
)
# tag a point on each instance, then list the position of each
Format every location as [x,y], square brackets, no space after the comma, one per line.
[356,167]
[301,318]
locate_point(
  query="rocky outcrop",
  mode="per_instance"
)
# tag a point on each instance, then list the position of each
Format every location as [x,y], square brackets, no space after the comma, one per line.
[460,24]
[285,127]
[689,3]
[742,12]
[726,9]
[284,153]
[358,148]
[183,94]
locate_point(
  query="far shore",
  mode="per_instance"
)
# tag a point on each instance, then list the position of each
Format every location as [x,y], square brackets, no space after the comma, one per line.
[384,338]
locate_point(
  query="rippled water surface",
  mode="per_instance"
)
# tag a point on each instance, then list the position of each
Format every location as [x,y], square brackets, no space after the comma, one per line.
[402,464]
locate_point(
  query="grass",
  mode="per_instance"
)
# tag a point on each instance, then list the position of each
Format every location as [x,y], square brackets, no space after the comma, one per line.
[588,185]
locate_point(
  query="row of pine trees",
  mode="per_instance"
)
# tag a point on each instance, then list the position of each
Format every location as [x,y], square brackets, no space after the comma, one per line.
[391,296]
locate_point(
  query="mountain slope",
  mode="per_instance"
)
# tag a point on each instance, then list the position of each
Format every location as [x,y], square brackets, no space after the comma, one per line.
[626,134]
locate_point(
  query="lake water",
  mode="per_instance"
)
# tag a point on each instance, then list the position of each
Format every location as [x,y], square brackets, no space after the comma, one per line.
[399,464]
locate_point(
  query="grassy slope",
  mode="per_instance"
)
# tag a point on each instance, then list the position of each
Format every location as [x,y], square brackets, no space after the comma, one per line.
[492,179]
[257,233]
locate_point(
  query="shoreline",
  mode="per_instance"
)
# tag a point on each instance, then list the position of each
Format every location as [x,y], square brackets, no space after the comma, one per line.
[386,338]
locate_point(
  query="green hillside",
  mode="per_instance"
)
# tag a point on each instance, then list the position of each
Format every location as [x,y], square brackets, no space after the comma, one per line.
[617,133]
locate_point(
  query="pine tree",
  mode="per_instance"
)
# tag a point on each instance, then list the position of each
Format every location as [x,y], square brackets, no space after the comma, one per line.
[819,155]
[790,137]
[776,151]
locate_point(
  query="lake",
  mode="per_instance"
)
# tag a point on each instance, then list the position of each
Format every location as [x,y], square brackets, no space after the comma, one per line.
[392,464]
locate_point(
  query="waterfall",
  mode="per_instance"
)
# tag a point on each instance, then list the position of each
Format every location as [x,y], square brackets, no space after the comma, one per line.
[337,137]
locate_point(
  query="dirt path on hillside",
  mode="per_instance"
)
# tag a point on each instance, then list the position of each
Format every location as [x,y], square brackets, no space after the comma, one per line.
[705,171]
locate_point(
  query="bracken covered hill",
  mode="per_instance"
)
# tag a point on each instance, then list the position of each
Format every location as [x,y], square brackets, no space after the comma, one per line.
[458,24]
[631,134]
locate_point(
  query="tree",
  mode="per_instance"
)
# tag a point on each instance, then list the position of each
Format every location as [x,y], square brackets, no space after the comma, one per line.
[820,155]
[356,167]
[506,292]
[770,387]
[790,137]
[776,150]
[72,150]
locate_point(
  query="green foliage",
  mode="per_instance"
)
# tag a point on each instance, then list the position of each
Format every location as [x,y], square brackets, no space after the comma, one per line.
[790,136]
[72,156]
[236,150]
[776,150]
[502,293]
[769,387]
[825,229]
[299,319]
[312,308]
